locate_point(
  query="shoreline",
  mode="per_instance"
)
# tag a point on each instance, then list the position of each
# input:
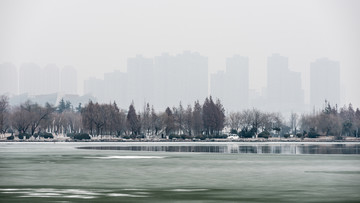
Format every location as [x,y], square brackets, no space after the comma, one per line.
[311,140]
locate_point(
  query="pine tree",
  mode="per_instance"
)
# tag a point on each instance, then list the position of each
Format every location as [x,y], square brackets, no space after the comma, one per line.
[197,118]
[133,121]
[169,121]
[62,106]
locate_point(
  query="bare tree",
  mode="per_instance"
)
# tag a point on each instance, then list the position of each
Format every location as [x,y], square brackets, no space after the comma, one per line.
[157,122]
[4,114]
[179,118]
[188,120]
[234,120]
[293,122]
[146,118]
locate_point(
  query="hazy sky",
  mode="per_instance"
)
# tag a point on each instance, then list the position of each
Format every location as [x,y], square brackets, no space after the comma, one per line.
[98,36]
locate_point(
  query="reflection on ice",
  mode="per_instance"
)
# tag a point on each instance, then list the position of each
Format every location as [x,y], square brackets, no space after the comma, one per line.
[127,157]
[283,148]
[124,195]
[69,193]
[187,190]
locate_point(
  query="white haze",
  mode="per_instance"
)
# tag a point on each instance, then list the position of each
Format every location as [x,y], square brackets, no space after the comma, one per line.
[98,36]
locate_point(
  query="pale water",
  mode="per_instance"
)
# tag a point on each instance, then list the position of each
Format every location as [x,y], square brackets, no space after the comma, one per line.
[179,172]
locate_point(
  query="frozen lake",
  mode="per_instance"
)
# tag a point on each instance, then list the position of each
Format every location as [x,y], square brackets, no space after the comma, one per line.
[163,172]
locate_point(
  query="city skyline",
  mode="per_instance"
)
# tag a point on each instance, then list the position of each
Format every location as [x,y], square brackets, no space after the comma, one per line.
[153,79]
[98,37]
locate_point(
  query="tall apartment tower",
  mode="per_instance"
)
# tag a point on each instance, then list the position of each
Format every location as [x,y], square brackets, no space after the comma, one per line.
[324,82]
[180,78]
[237,83]
[31,79]
[8,79]
[284,91]
[140,80]
[51,79]
[218,86]
[68,81]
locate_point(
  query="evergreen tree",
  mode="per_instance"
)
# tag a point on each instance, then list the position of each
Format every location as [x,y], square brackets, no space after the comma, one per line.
[213,116]
[197,118]
[62,106]
[133,122]
[188,120]
[169,121]
[68,106]
[78,108]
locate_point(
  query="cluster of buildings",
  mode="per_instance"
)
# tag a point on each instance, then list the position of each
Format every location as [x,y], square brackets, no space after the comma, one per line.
[163,81]
[40,84]
[167,80]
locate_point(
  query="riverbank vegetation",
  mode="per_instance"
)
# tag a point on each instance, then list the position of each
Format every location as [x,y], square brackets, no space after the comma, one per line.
[198,121]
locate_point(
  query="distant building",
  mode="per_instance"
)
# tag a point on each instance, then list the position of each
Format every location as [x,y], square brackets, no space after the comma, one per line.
[95,87]
[237,83]
[324,82]
[31,79]
[232,86]
[115,88]
[181,78]
[68,82]
[51,79]
[8,79]
[218,85]
[52,99]
[284,91]
[140,80]
[165,71]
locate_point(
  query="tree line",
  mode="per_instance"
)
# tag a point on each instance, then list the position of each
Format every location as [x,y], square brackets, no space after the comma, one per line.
[206,120]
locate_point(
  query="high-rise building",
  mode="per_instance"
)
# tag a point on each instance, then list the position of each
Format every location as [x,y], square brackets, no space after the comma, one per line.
[181,78]
[217,85]
[95,87]
[68,81]
[115,88]
[324,82]
[193,70]
[51,79]
[164,67]
[8,79]
[162,82]
[140,81]
[31,79]
[232,86]
[237,83]
[284,91]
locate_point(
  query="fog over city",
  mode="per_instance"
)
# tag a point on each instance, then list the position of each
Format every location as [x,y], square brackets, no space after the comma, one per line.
[277,55]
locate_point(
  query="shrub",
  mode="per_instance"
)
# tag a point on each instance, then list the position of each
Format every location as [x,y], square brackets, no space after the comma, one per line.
[10,137]
[264,134]
[46,135]
[172,136]
[140,136]
[222,136]
[286,136]
[299,135]
[183,136]
[24,136]
[313,134]
[82,136]
[71,135]
[233,131]
[126,137]
[338,137]
[247,134]
[201,137]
